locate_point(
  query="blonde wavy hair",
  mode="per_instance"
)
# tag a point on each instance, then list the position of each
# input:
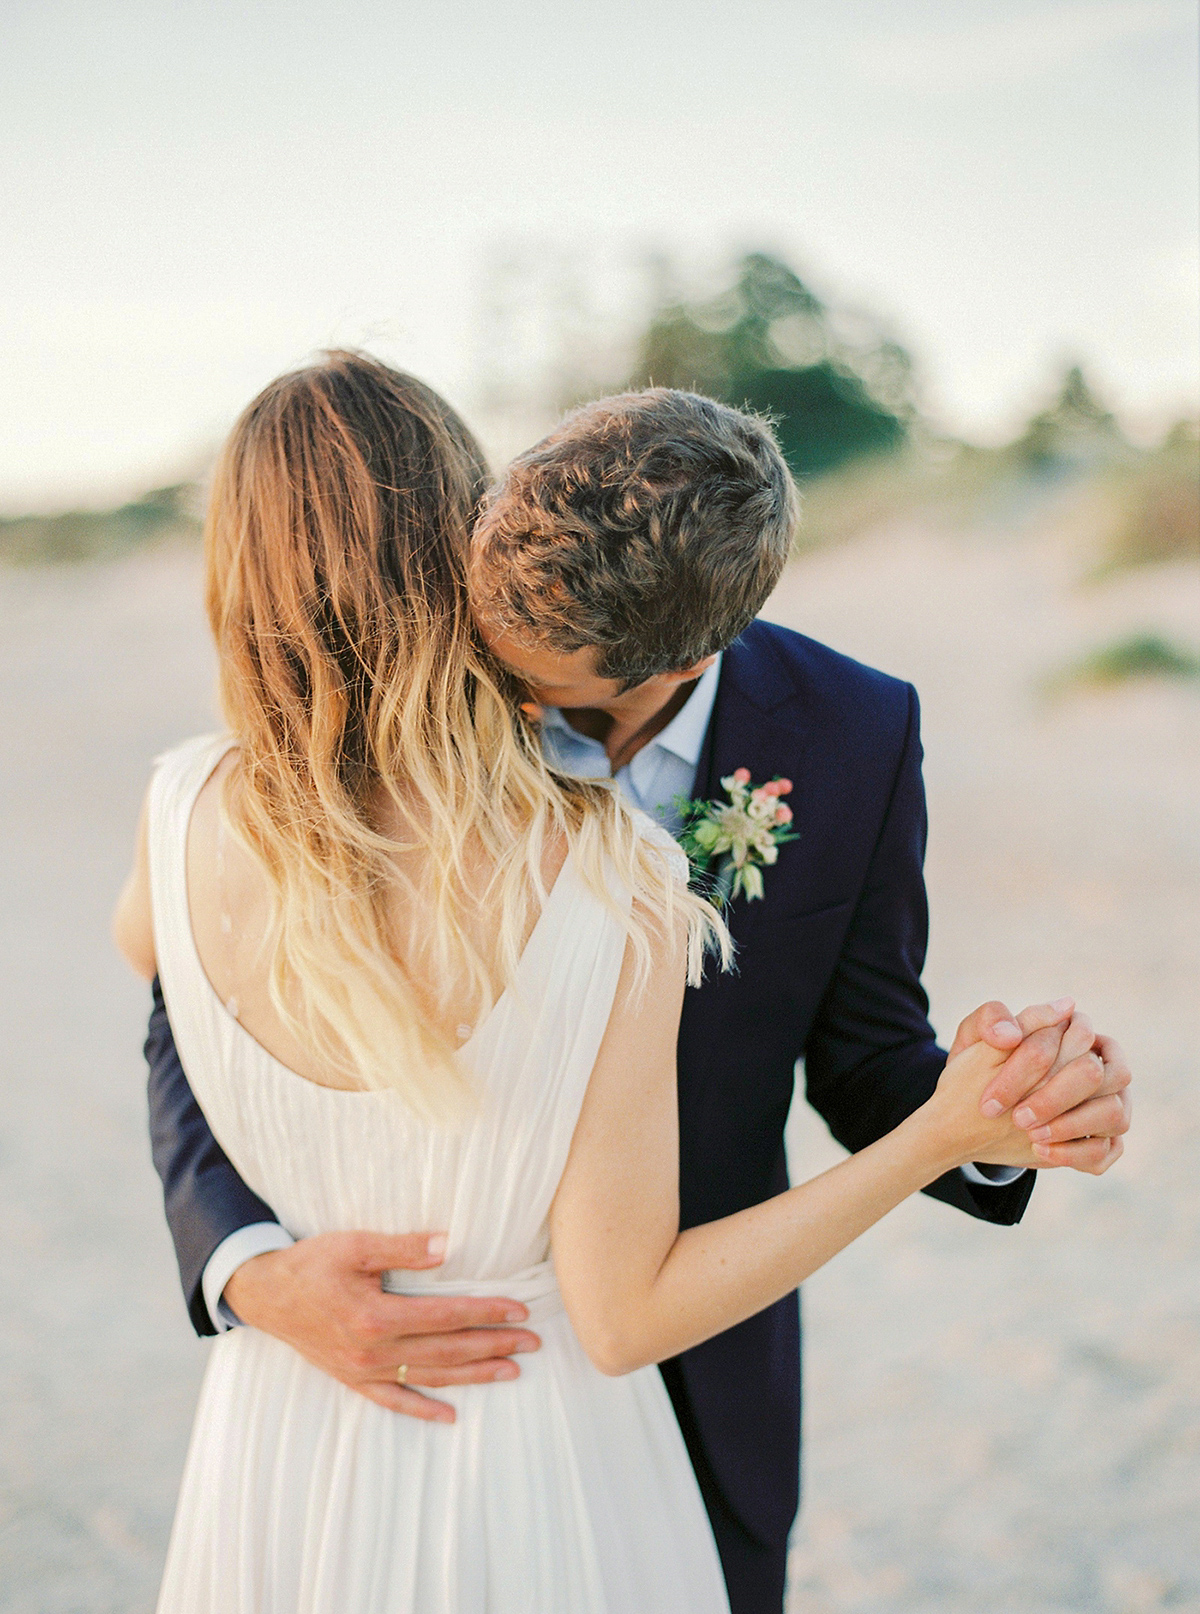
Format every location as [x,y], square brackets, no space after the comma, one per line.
[373,723]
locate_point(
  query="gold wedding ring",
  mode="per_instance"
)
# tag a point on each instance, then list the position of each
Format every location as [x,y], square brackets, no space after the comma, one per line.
[402,1374]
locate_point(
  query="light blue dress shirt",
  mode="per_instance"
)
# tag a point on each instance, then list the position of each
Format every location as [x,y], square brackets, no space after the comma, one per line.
[664,768]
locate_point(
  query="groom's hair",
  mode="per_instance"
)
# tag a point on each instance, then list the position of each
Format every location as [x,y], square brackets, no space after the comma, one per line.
[652,525]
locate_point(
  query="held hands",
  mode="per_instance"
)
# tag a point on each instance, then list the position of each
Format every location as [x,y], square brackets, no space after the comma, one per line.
[324,1296]
[1035,1089]
[1059,1098]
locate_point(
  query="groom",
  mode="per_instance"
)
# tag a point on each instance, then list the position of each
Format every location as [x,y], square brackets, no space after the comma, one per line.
[617,572]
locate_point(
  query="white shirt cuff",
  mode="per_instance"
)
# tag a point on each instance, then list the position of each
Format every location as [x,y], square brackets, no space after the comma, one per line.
[254,1239]
[990,1176]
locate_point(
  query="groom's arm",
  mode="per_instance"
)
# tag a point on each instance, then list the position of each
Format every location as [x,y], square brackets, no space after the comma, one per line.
[322,1295]
[872,1057]
[206,1201]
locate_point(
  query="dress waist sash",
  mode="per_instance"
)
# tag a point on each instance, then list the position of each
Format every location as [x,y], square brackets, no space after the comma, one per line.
[535,1287]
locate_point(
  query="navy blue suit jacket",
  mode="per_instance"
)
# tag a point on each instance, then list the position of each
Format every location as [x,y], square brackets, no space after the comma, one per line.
[829,970]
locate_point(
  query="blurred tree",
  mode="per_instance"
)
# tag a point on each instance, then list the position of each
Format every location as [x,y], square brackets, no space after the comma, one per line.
[80,535]
[770,344]
[1076,433]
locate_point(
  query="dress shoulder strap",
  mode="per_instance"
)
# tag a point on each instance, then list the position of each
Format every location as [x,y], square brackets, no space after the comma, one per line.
[179,776]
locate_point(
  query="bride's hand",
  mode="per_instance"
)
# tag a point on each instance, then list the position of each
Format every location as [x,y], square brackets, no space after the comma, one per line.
[955,1104]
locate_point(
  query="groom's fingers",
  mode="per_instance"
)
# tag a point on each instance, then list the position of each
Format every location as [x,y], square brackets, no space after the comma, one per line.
[468,1345]
[437,1378]
[1079,1038]
[383,1252]
[1073,1084]
[1024,1070]
[1093,1155]
[1117,1074]
[1106,1117]
[996,1024]
[379,1383]
[411,1402]
[387,1316]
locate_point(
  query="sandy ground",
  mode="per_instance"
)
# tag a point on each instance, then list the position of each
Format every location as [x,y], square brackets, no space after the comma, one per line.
[996,1420]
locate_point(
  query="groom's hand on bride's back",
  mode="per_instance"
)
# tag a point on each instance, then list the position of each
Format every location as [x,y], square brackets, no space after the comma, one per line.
[324,1297]
[1075,1107]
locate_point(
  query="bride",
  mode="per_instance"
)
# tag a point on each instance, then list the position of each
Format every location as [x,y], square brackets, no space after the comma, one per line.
[418,979]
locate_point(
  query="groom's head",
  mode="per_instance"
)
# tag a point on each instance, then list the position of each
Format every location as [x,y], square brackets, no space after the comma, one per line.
[632,544]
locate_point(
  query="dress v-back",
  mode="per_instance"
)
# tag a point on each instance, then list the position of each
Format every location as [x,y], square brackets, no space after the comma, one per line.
[559,1492]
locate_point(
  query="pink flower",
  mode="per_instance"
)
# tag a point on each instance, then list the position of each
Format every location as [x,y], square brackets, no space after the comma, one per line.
[778,787]
[783,813]
[741,776]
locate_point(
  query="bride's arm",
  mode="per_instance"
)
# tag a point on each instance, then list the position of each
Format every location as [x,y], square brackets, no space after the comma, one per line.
[636,1289]
[133,919]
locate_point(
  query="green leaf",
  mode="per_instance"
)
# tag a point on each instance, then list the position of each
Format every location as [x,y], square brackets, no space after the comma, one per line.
[752,882]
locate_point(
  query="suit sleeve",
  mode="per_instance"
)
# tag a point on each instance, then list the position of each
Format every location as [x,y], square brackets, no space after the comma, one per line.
[204,1198]
[872,1057]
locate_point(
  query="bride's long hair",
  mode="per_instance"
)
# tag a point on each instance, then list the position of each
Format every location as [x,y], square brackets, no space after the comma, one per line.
[373,722]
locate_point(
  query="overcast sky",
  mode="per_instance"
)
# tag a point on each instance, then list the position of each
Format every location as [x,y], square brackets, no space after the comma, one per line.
[197,195]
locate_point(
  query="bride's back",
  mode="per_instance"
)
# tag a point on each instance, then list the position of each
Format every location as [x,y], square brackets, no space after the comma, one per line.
[326,1159]
[231,910]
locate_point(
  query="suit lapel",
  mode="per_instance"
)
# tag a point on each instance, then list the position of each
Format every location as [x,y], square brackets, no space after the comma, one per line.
[754,722]
[757,723]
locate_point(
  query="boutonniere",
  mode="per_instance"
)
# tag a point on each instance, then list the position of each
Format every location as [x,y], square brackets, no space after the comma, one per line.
[740,836]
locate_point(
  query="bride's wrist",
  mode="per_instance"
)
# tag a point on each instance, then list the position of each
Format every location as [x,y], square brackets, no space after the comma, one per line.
[939,1144]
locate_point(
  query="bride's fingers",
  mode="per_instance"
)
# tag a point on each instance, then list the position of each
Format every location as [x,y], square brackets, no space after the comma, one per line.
[992,1023]
[1000,1028]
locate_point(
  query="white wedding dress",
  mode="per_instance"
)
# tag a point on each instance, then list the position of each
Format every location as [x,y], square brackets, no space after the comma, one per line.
[562,1492]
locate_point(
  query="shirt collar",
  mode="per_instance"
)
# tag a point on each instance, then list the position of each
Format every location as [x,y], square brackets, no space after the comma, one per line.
[683,735]
[552,718]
